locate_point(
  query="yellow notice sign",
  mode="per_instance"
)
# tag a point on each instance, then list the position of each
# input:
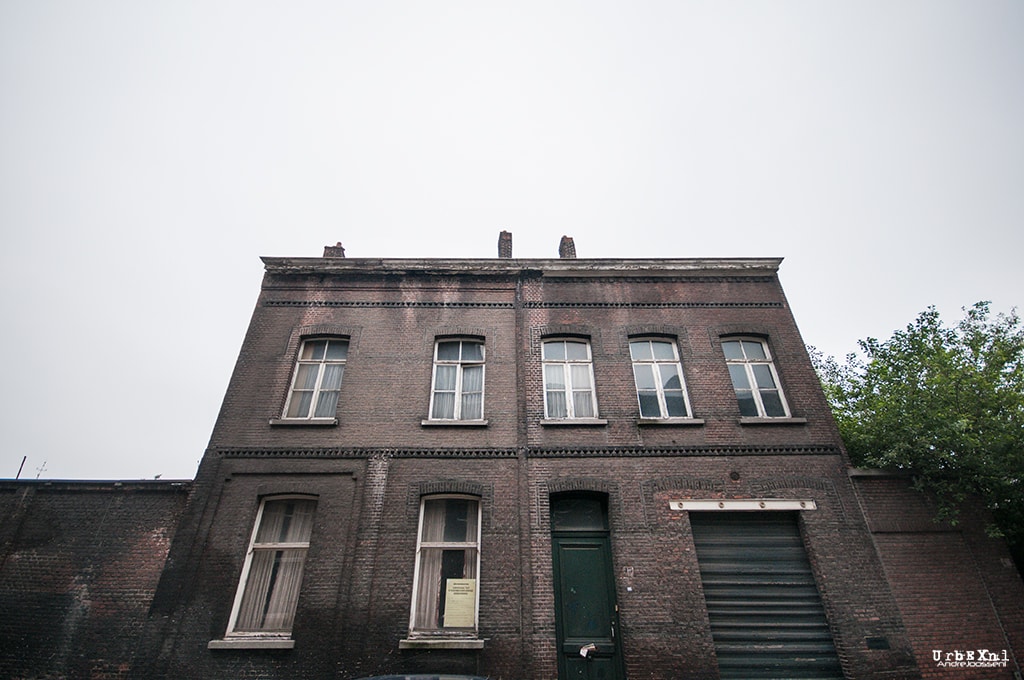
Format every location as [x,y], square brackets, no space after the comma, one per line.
[460,603]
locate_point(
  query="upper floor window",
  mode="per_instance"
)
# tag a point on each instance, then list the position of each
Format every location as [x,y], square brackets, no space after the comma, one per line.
[269,587]
[568,380]
[754,378]
[317,382]
[659,379]
[458,387]
[445,592]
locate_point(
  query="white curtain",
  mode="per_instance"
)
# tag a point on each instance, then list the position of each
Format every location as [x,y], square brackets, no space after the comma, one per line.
[472,392]
[275,573]
[442,526]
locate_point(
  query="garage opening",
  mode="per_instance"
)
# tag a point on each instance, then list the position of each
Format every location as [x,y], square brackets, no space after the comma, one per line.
[767,620]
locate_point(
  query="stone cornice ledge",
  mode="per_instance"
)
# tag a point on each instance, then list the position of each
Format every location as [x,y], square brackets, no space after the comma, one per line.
[513,267]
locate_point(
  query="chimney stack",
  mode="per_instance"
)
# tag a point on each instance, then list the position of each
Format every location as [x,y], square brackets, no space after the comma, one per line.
[505,244]
[567,249]
[334,251]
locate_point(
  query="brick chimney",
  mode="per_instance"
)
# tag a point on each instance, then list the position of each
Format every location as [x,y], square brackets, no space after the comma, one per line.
[567,249]
[505,244]
[334,251]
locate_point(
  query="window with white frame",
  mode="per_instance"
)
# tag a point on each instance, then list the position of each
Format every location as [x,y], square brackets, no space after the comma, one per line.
[317,382]
[754,378]
[445,593]
[269,587]
[457,392]
[659,379]
[568,379]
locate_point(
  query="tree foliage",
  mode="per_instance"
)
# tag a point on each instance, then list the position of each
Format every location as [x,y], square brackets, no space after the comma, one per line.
[946,405]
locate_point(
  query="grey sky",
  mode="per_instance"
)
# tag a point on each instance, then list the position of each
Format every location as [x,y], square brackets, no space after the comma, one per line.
[150,152]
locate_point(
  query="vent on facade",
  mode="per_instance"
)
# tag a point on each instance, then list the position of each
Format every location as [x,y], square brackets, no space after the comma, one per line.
[567,249]
[505,244]
[334,251]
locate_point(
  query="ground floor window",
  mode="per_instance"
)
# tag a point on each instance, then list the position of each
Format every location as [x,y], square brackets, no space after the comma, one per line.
[269,587]
[445,592]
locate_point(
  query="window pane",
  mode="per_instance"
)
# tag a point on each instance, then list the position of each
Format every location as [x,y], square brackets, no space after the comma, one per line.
[444,377]
[583,404]
[313,349]
[663,351]
[554,376]
[763,376]
[772,404]
[732,350]
[456,517]
[271,591]
[640,350]
[451,520]
[580,376]
[472,406]
[332,376]
[327,405]
[554,350]
[670,377]
[746,402]
[644,376]
[337,350]
[738,373]
[754,350]
[676,404]
[305,376]
[556,405]
[576,351]
[578,513]
[448,351]
[649,407]
[286,521]
[472,351]
[472,379]
[444,405]
[299,405]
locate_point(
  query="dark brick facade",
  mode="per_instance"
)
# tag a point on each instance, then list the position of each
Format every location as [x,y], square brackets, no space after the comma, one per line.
[369,468]
[79,562]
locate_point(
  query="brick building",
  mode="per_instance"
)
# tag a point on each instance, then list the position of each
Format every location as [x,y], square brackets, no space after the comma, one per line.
[544,468]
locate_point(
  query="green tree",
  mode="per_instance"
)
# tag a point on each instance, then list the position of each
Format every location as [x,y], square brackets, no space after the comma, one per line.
[944,404]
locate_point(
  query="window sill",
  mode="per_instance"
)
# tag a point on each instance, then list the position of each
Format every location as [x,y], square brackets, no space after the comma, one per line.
[252,643]
[670,421]
[303,422]
[571,422]
[449,643]
[773,421]
[453,423]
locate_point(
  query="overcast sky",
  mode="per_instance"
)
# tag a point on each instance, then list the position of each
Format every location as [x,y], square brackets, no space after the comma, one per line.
[150,152]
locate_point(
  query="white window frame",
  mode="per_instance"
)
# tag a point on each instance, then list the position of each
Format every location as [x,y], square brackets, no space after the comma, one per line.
[748,365]
[569,388]
[656,363]
[460,365]
[316,391]
[414,629]
[243,581]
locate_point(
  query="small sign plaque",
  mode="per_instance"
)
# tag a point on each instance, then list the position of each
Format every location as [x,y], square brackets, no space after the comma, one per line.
[460,603]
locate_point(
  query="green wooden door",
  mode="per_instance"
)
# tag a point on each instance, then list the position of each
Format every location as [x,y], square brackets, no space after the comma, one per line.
[586,615]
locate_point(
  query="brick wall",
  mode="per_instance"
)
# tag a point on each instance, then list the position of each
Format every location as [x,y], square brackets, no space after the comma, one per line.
[957,589]
[80,562]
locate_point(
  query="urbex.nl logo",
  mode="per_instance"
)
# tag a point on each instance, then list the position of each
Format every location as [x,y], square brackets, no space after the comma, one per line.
[970,658]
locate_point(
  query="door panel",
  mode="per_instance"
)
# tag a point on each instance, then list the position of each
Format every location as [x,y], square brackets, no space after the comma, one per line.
[585,616]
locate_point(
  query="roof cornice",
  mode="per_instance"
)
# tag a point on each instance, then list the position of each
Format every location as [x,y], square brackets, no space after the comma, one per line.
[568,267]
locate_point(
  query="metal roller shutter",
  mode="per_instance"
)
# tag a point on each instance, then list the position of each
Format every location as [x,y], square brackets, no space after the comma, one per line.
[766,616]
